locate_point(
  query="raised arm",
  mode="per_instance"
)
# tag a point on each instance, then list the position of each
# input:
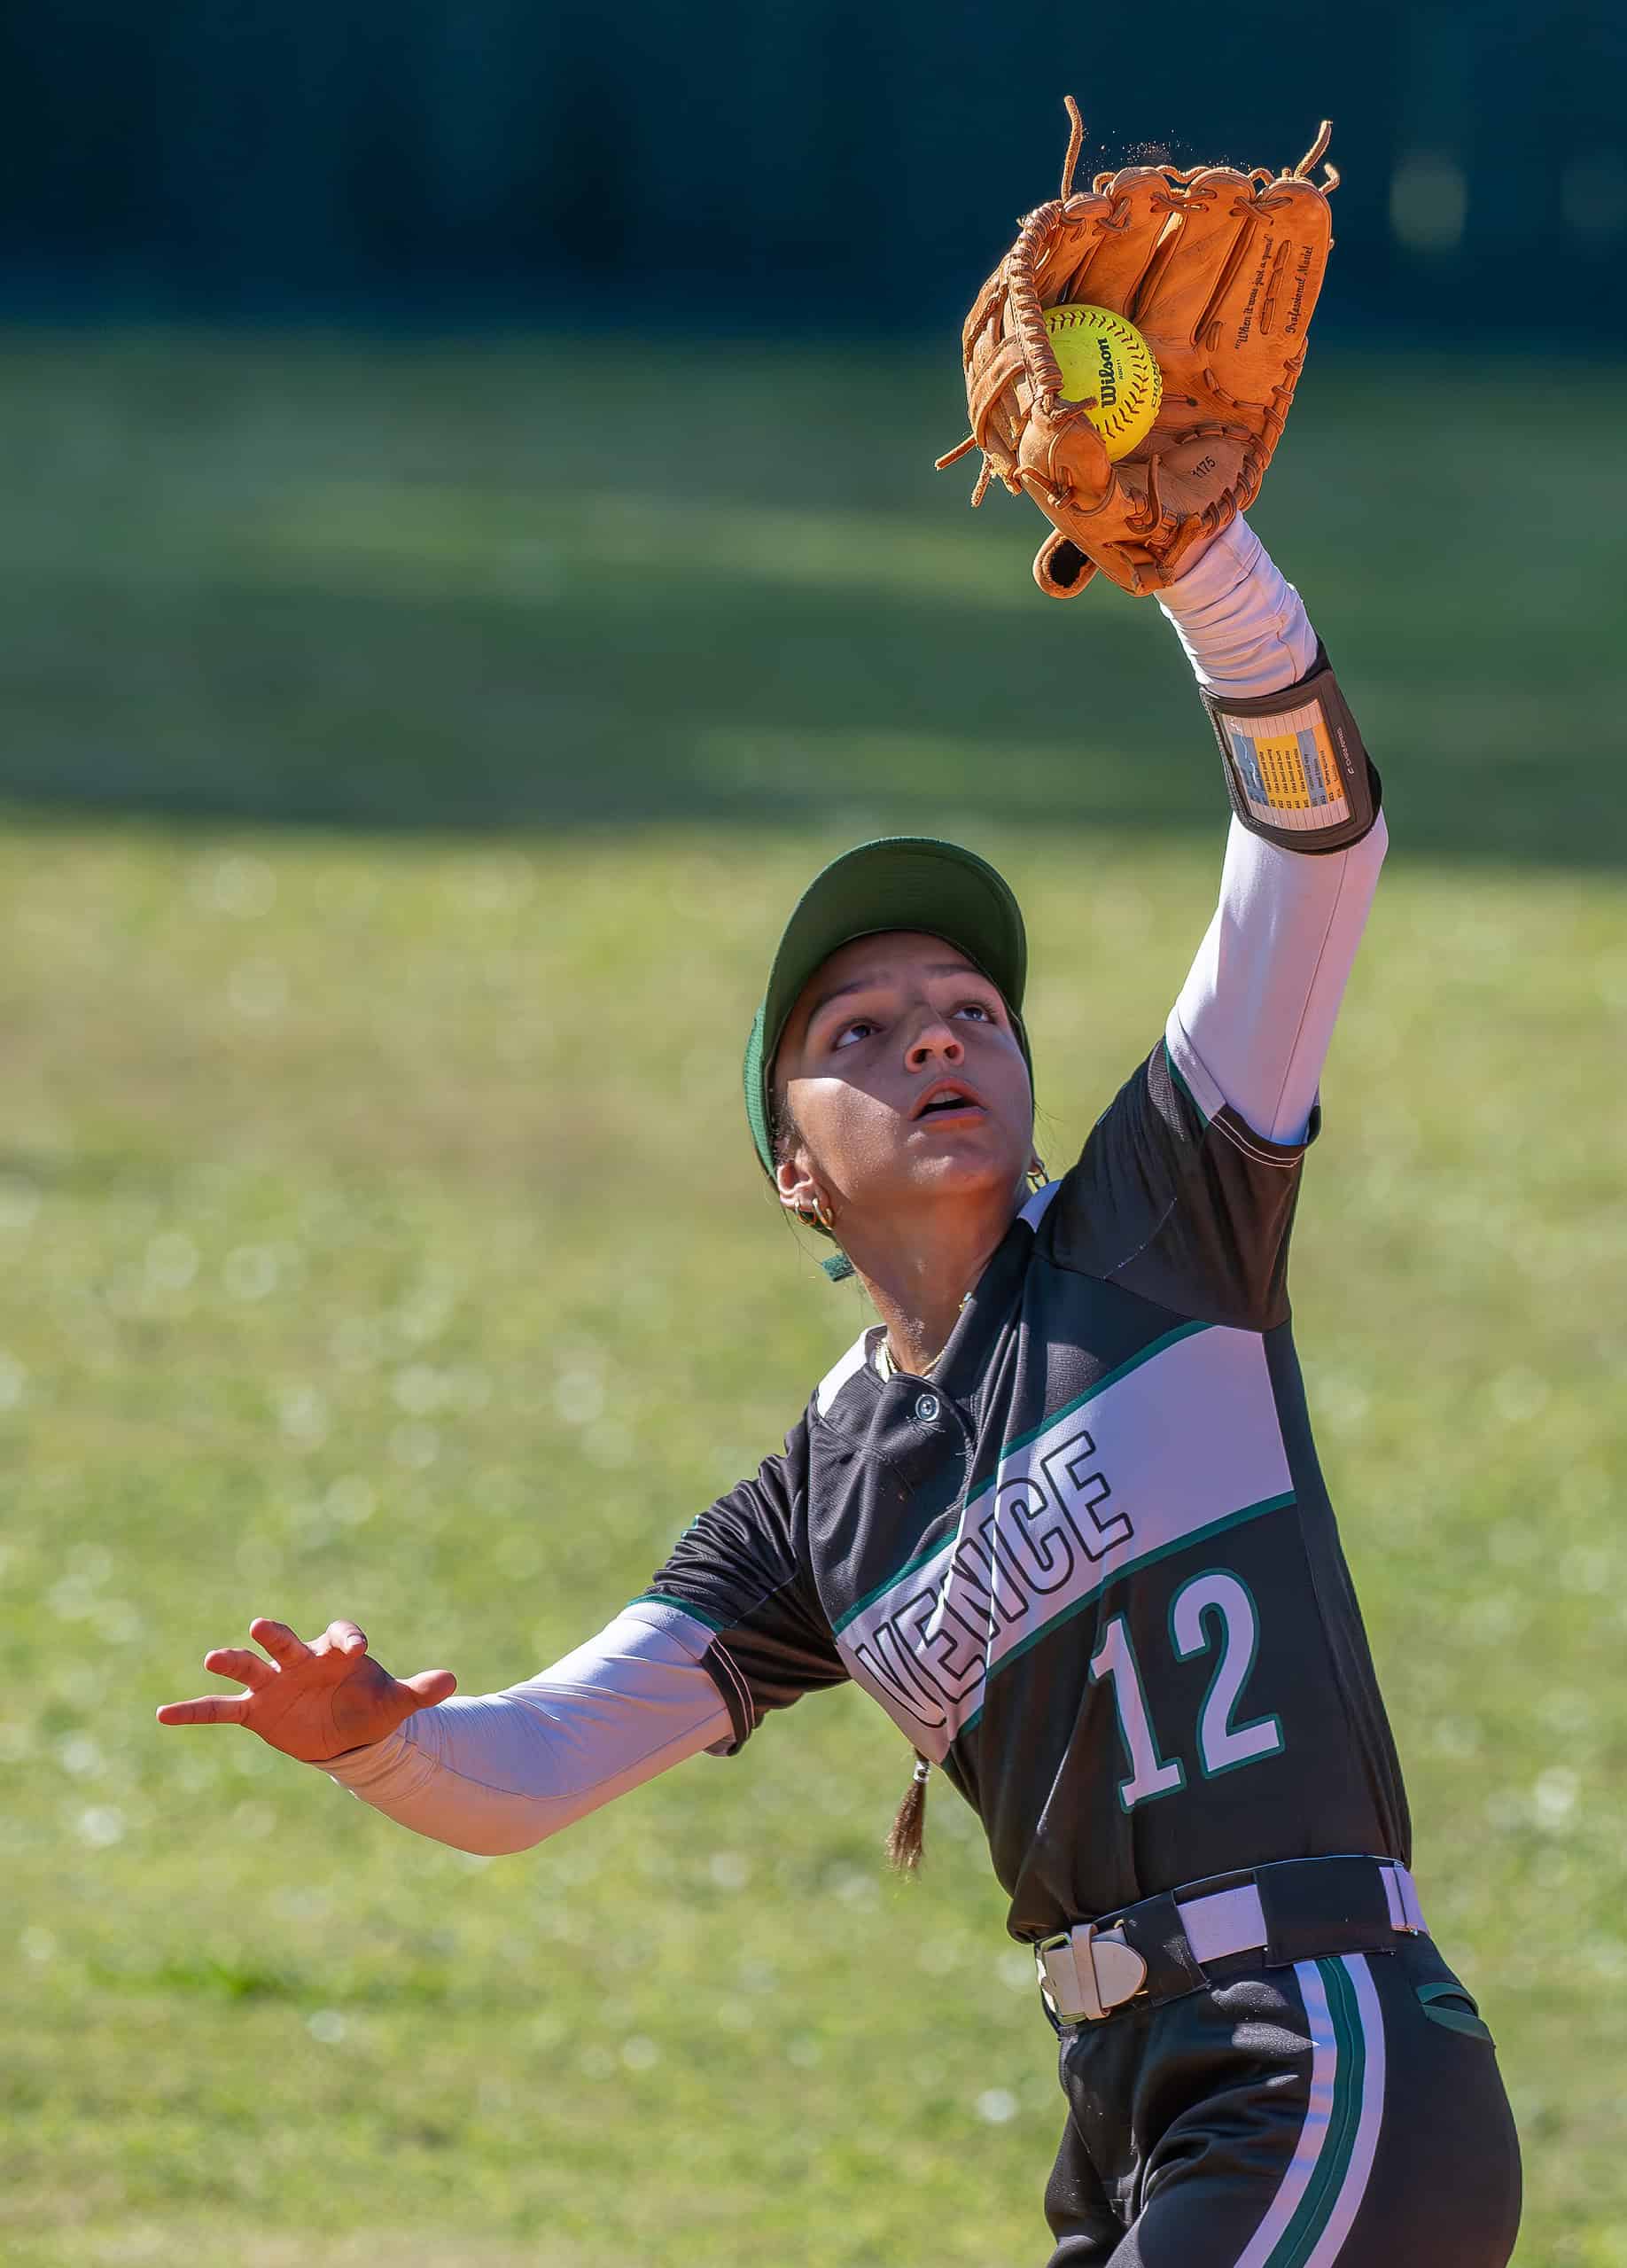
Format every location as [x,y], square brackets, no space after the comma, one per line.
[1253,1022]
[729,1632]
[504,1771]
[494,1774]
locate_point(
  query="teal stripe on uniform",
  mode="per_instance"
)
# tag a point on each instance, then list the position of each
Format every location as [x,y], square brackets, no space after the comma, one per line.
[679,1606]
[1012,1448]
[1299,2238]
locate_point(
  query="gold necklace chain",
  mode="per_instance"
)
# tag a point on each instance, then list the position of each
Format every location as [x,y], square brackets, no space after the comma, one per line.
[890,1369]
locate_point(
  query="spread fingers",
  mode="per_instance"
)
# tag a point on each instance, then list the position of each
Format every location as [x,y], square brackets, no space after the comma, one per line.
[212,1709]
[284,1645]
[242,1662]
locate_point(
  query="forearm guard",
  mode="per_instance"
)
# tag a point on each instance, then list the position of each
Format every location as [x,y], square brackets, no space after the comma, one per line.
[1295,769]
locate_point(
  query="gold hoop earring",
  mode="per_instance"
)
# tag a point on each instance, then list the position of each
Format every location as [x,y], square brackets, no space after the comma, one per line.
[818,1216]
[1037,1175]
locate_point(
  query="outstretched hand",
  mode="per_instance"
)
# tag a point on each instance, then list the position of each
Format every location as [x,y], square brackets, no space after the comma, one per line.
[312,1701]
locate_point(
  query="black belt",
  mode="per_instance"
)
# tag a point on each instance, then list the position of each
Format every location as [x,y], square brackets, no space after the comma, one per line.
[1291,1910]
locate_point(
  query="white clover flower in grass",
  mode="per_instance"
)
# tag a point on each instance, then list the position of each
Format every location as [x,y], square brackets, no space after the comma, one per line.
[579,1396]
[1553,1798]
[20,1202]
[419,1389]
[171,1260]
[302,1416]
[240,886]
[416,1446]
[250,1272]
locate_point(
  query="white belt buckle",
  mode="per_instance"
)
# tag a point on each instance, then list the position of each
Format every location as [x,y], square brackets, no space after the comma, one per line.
[1401,1895]
[1086,1973]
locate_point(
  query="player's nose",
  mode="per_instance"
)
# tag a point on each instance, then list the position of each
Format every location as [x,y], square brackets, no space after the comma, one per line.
[934,1039]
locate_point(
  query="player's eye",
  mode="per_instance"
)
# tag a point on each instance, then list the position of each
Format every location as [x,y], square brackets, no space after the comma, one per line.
[978,1008]
[860,1028]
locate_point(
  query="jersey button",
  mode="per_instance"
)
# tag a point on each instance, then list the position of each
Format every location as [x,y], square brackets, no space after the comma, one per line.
[927,1407]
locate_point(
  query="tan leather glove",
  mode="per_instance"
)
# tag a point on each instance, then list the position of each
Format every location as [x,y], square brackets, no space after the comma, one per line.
[1219,271]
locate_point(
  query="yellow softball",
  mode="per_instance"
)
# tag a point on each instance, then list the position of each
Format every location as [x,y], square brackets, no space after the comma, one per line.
[1105,359]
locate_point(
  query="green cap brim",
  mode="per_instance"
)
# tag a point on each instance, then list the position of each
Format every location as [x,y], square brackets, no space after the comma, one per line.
[902,881]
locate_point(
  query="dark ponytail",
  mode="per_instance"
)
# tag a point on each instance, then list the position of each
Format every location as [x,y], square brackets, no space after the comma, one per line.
[907,1836]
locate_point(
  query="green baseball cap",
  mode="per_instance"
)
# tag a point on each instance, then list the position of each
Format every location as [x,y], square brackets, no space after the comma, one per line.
[900,882]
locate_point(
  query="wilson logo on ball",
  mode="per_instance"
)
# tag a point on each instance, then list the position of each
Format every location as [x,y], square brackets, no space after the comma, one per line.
[1107,368]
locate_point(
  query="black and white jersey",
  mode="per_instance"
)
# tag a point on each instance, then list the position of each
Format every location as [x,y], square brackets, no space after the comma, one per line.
[1089,1566]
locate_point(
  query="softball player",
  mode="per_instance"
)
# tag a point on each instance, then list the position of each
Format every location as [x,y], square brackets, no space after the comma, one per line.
[1060,1515]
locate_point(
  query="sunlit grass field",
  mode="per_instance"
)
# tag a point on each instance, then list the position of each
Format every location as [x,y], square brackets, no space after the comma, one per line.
[401,812]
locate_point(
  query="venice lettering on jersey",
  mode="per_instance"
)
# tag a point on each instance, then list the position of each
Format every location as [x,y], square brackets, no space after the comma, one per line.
[1106,1484]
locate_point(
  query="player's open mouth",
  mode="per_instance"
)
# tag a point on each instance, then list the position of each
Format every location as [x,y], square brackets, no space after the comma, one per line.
[949,1098]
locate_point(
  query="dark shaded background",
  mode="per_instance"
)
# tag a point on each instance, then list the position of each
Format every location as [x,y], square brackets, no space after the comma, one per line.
[830,161]
[476,414]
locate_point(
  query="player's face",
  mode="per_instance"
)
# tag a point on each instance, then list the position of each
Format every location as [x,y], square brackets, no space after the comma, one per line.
[904,1080]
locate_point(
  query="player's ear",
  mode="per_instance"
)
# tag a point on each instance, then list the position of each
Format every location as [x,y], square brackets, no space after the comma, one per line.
[794,1178]
[793,1168]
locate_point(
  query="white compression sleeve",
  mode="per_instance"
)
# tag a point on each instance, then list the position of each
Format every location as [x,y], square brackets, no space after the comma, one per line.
[1256,1013]
[503,1770]
[1242,624]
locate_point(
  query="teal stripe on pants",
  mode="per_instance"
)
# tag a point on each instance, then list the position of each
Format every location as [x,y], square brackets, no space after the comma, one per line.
[1299,2238]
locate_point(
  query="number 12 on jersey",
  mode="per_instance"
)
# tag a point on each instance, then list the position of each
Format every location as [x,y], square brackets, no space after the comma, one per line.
[1212,1610]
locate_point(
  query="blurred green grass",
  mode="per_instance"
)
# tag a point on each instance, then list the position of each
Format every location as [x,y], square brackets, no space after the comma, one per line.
[378,1236]
[638,578]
